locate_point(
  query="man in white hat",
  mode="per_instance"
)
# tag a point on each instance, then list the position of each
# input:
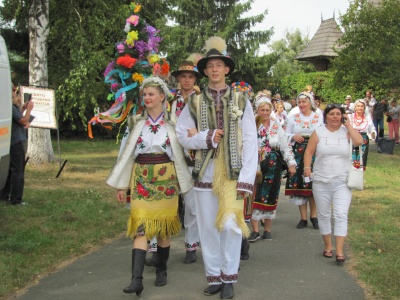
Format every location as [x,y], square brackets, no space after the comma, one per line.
[348,105]
[225,166]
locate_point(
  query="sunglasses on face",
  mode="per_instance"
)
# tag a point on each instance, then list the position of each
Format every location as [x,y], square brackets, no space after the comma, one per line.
[329,106]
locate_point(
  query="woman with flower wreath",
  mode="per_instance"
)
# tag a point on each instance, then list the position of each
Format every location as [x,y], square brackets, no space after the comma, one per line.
[299,128]
[273,147]
[364,125]
[153,166]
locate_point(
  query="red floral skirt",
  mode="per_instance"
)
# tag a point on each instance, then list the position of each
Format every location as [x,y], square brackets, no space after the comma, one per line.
[154,200]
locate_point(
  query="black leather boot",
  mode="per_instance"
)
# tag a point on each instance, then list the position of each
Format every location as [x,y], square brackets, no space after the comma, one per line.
[190,257]
[314,222]
[152,261]
[227,291]
[136,285]
[244,250]
[161,267]
[212,289]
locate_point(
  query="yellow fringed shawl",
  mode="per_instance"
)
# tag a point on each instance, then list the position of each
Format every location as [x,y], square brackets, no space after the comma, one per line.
[225,190]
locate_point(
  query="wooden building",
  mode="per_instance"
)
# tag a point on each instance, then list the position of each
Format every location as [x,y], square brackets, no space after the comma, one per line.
[321,47]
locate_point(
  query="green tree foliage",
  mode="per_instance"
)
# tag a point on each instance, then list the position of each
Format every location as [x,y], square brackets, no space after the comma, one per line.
[14,29]
[322,83]
[196,21]
[78,53]
[83,34]
[81,44]
[371,56]
[286,50]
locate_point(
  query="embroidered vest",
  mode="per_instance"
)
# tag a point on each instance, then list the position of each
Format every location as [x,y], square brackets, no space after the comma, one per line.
[202,110]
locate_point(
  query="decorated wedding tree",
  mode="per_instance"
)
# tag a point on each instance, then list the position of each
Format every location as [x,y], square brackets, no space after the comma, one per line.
[136,57]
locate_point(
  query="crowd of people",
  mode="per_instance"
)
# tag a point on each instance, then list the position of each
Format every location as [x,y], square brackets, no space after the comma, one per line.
[225,154]
[222,155]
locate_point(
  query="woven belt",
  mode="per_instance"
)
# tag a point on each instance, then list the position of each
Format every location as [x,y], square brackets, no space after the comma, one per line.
[152,158]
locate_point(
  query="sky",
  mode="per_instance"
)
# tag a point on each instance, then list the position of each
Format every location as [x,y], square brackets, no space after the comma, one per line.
[292,14]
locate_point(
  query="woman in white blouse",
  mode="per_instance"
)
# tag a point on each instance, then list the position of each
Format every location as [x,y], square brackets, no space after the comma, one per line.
[153,166]
[299,128]
[330,145]
[364,125]
[273,148]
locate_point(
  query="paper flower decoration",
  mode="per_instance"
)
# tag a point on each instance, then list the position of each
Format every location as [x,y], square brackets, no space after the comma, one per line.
[236,112]
[134,20]
[136,58]
[242,87]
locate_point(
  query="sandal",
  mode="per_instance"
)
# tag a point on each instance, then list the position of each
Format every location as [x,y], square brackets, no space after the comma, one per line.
[327,253]
[340,259]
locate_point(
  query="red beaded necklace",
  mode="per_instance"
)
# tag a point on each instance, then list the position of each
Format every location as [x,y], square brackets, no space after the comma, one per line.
[358,123]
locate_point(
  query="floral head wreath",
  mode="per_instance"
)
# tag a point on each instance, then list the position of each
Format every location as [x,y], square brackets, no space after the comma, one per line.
[158,82]
[262,99]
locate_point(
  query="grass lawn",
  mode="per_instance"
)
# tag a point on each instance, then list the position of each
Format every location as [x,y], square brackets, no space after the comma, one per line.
[65,218]
[374,225]
[71,215]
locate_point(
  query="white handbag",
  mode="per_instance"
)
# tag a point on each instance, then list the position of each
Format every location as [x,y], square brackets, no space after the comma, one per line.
[355,179]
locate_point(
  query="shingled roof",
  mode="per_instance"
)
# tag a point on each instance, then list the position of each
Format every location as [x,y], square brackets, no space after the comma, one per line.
[323,42]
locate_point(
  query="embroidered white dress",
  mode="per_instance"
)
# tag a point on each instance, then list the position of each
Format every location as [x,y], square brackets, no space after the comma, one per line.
[366,127]
[363,125]
[275,137]
[303,125]
[154,138]
[270,139]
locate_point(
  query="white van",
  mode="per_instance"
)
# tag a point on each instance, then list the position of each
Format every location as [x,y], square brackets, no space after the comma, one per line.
[5,112]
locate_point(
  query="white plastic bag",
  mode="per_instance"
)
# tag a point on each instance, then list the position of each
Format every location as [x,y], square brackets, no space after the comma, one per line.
[355,179]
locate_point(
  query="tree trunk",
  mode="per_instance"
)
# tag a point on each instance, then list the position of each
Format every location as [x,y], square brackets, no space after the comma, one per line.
[40,149]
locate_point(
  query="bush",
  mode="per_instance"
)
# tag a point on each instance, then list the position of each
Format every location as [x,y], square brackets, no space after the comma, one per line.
[323,86]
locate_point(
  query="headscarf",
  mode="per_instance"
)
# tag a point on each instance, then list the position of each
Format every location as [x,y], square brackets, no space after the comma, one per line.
[308,96]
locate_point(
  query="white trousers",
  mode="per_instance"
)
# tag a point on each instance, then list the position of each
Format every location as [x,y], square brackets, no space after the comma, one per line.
[192,238]
[220,249]
[326,195]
